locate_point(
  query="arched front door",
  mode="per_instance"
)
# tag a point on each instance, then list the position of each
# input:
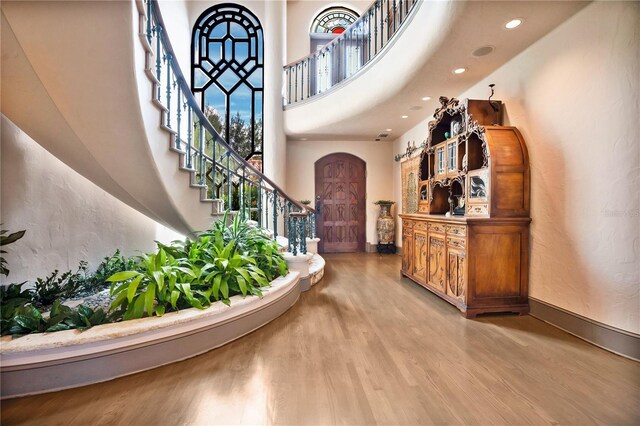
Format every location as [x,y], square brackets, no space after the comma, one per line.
[340,198]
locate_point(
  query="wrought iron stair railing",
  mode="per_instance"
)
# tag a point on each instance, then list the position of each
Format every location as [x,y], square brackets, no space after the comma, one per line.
[348,53]
[223,175]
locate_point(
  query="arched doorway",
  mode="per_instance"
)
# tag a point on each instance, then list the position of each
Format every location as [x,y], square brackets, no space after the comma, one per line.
[341,187]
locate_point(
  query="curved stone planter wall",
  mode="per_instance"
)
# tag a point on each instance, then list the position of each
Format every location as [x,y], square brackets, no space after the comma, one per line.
[39,363]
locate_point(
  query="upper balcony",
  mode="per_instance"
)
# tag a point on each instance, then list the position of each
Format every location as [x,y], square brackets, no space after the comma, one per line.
[398,57]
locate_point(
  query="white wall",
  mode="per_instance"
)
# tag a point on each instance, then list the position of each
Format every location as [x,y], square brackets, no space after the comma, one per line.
[67,217]
[300,15]
[574,96]
[301,158]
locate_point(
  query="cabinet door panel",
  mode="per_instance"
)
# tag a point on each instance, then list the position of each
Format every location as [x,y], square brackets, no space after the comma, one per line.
[456,274]
[437,262]
[407,254]
[420,256]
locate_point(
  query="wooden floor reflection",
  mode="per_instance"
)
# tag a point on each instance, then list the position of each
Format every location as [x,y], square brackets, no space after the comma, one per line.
[365,346]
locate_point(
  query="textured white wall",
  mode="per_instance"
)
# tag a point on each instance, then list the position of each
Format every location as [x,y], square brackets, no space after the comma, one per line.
[301,158]
[574,96]
[67,217]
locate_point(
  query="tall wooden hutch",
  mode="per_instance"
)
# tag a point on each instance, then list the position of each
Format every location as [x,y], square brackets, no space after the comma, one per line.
[469,241]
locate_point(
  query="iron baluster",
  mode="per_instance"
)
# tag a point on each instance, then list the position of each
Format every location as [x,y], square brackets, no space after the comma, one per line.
[149,6]
[229,197]
[179,107]
[249,198]
[290,242]
[302,82]
[303,234]
[168,56]
[378,25]
[388,19]
[295,92]
[394,16]
[189,137]
[275,213]
[214,166]
[293,244]
[259,202]
[368,35]
[201,158]
[241,193]
[158,30]
[289,71]
[309,77]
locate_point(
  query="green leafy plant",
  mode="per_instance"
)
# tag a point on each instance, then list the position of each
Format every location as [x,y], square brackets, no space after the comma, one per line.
[215,266]
[56,286]
[305,202]
[384,202]
[12,297]
[4,241]
[63,317]
[87,283]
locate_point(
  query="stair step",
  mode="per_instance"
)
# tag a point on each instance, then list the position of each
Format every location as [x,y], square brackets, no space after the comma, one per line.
[151,75]
[176,150]
[168,129]
[145,42]
[159,104]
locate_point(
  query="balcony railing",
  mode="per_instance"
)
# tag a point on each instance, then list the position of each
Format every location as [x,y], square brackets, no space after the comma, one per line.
[221,173]
[348,53]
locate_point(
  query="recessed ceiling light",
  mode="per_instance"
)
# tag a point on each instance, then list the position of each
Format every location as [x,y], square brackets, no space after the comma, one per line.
[303,139]
[514,23]
[388,130]
[459,70]
[483,51]
[405,116]
[426,98]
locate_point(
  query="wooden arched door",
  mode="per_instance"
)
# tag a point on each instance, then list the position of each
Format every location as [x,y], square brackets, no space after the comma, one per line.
[340,199]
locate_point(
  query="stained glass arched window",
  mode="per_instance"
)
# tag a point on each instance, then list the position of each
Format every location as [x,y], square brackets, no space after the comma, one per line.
[333,20]
[227,75]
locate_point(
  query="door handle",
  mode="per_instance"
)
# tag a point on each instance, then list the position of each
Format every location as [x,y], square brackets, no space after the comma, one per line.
[318,205]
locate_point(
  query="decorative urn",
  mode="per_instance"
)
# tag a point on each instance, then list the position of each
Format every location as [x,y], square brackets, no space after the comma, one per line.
[385,225]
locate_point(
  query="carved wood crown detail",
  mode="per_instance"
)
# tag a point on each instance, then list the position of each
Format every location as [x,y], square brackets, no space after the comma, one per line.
[451,107]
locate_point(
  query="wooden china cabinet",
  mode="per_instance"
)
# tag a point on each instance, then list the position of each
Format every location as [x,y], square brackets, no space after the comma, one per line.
[469,241]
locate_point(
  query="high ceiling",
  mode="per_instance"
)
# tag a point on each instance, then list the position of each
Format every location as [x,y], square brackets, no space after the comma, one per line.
[467,27]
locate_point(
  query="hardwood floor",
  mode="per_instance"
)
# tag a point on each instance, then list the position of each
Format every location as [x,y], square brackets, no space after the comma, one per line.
[365,346]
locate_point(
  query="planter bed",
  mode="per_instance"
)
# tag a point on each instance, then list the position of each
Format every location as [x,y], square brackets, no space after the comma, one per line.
[39,363]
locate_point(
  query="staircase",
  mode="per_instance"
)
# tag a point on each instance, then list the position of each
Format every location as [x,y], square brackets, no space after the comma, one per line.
[111,133]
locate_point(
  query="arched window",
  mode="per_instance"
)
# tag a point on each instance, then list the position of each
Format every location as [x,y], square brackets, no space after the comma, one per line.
[333,20]
[227,75]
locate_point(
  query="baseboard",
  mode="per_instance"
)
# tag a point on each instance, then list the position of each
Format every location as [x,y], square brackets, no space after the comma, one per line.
[613,339]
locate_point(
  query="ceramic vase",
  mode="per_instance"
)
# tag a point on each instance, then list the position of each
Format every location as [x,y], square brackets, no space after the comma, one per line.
[385,225]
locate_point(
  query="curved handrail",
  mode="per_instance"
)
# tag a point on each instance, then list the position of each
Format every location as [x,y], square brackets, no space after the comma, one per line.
[222,161]
[348,53]
[201,117]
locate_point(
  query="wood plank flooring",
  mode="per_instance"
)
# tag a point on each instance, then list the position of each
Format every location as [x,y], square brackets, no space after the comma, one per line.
[365,346]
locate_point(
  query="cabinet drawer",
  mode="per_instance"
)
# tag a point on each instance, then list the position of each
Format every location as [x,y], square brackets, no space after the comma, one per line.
[437,227]
[456,230]
[407,224]
[422,226]
[455,242]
